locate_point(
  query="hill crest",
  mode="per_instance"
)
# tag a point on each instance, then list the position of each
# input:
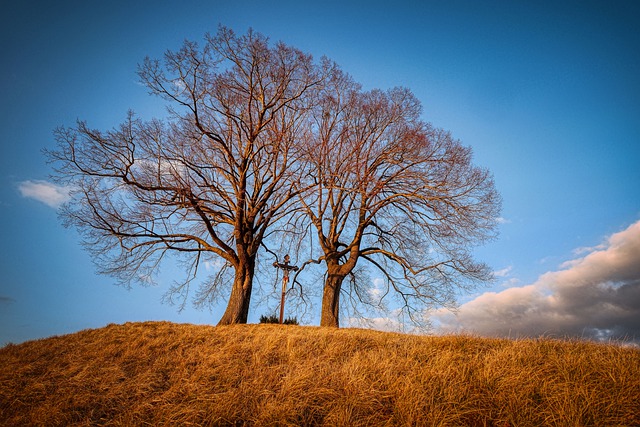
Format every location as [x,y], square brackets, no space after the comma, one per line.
[163,373]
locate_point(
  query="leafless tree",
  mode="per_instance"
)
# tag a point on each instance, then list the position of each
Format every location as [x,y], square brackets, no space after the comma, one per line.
[210,179]
[387,189]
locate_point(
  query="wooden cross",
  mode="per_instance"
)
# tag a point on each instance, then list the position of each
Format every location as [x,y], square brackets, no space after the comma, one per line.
[286,268]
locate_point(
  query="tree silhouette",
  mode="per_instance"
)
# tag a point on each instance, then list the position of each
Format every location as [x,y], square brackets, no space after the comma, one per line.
[388,190]
[206,182]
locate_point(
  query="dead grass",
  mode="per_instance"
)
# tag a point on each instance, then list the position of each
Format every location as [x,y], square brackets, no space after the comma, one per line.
[161,373]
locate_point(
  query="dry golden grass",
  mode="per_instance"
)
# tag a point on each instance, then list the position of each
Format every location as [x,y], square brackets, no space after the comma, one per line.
[269,375]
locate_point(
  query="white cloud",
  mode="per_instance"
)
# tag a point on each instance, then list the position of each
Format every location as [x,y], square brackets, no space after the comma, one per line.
[509,283]
[386,324]
[503,273]
[377,288]
[46,192]
[594,296]
[587,249]
[215,265]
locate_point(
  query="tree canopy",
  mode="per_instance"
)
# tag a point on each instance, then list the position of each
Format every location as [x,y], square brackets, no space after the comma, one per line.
[209,180]
[387,190]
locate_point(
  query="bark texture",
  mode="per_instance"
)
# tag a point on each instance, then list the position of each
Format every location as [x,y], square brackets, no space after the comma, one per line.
[331,301]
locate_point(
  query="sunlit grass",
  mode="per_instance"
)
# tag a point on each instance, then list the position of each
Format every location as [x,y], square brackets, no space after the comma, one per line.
[172,374]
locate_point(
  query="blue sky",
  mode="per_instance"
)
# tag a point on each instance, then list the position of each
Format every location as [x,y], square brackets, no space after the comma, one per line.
[546,93]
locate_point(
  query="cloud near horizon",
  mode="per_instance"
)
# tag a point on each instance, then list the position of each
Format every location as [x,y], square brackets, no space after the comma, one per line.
[46,192]
[596,296]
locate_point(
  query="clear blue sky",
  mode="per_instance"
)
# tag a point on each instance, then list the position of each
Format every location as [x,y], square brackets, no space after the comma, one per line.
[547,93]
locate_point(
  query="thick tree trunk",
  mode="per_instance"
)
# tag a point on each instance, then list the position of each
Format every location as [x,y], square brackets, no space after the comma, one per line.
[238,307]
[331,301]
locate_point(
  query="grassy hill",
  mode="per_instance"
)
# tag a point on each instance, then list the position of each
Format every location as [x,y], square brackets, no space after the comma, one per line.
[161,373]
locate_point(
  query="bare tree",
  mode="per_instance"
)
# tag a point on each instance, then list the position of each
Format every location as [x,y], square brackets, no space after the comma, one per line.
[206,182]
[389,190]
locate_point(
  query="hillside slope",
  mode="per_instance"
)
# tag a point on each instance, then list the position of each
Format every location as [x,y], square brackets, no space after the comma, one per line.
[160,373]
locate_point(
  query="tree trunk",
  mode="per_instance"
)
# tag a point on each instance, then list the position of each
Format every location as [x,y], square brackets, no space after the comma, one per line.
[331,301]
[238,307]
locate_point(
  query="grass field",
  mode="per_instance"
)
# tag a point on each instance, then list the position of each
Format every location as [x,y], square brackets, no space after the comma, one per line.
[160,373]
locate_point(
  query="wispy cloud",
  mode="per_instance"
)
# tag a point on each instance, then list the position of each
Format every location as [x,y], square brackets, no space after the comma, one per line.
[504,272]
[46,192]
[596,296]
[501,220]
[387,324]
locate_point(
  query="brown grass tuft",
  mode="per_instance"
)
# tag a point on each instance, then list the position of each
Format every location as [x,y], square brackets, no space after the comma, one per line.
[160,373]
